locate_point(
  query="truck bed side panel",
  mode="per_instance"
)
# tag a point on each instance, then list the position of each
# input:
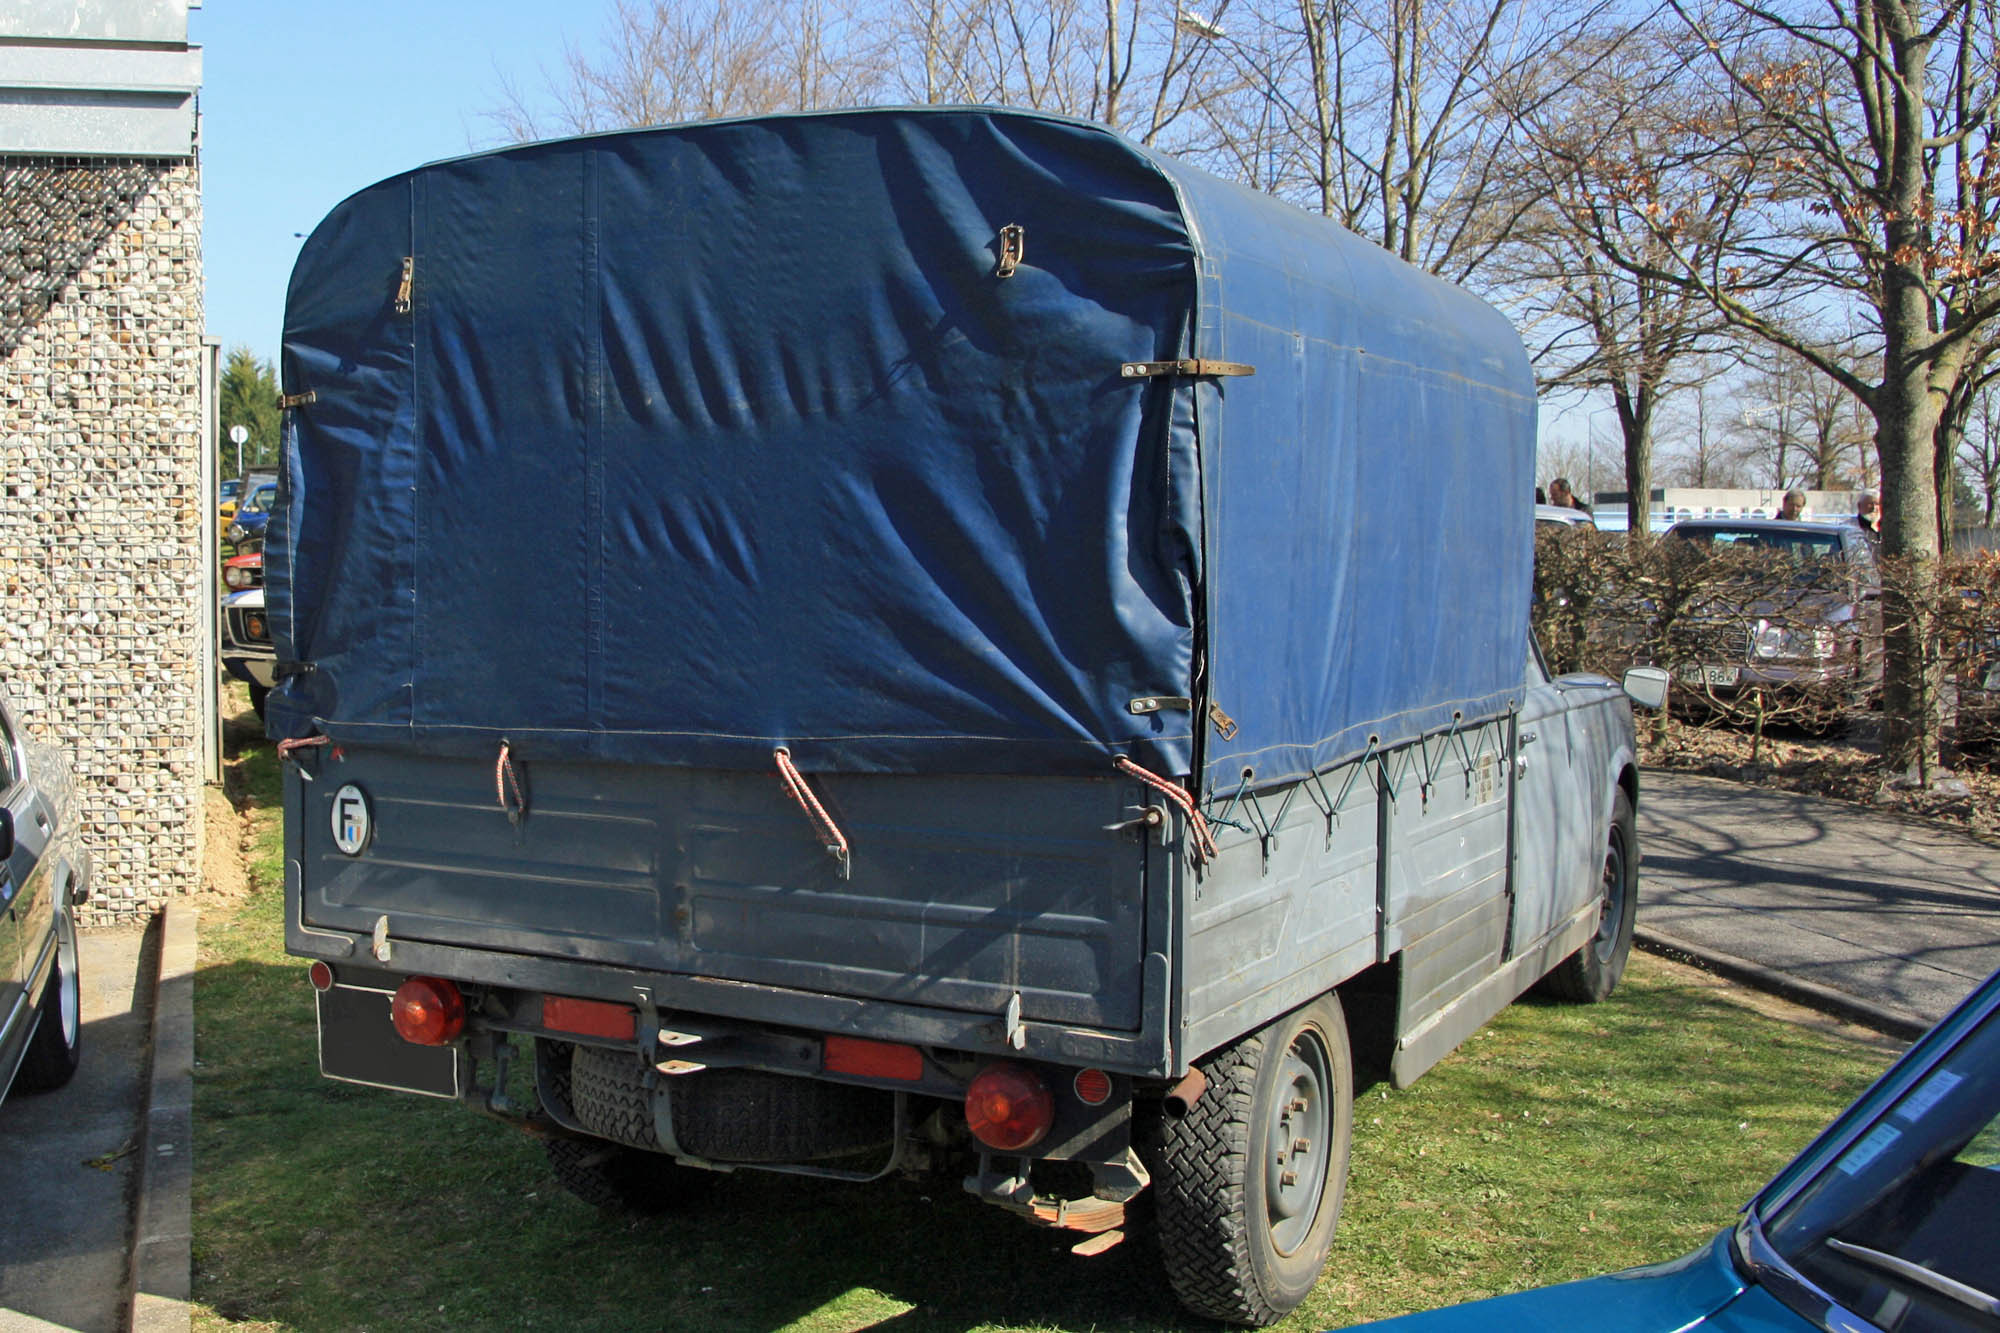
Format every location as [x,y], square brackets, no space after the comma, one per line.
[1283,915]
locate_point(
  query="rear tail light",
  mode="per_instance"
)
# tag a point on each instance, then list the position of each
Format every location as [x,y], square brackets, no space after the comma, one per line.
[1009,1108]
[427,1011]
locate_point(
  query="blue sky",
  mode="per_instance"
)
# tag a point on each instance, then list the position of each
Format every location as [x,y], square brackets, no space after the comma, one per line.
[302,105]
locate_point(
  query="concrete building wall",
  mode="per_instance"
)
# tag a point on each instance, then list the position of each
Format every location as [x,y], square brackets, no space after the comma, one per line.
[101,440]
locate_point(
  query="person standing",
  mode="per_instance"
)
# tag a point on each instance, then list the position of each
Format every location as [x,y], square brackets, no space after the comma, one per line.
[1868,514]
[1561,494]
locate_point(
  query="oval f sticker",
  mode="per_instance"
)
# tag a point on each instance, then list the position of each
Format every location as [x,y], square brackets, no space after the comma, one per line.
[350,819]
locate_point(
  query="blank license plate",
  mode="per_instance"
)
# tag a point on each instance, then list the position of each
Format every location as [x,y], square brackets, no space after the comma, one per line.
[358,1044]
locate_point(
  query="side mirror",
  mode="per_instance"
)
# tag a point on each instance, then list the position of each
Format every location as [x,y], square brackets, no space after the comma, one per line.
[1647,686]
[6,833]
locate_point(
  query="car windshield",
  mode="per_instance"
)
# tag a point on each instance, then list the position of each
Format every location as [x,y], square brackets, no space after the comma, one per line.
[260,499]
[1801,546]
[1903,1227]
[231,489]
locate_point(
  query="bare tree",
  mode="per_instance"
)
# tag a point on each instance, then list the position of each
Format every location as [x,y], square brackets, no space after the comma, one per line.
[661,61]
[1396,118]
[1616,116]
[1694,438]
[1129,64]
[1869,124]
[1979,448]
[1798,424]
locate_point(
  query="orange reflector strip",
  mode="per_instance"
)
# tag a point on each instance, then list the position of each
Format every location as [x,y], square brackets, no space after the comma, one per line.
[873,1059]
[590,1018]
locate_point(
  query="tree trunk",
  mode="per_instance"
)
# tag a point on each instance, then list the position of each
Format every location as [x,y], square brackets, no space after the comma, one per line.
[1635,423]
[1906,424]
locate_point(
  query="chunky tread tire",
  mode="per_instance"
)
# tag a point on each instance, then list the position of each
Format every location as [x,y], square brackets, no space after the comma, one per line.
[1594,971]
[729,1115]
[1210,1178]
[56,1048]
[748,1115]
[608,1093]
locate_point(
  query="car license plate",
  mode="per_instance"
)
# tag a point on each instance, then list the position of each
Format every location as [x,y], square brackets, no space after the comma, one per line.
[358,1043]
[1711,675]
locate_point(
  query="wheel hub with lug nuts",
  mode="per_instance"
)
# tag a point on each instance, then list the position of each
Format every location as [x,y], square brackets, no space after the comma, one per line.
[1297,1167]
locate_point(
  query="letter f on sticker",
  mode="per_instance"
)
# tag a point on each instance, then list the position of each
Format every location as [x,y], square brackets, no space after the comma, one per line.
[350,820]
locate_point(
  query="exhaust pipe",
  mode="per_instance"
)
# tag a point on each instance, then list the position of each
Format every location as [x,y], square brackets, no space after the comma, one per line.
[1184,1094]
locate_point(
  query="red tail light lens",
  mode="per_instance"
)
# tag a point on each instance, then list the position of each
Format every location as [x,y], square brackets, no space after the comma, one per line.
[873,1059]
[427,1011]
[1009,1108]
[322,976]
[1092,1086]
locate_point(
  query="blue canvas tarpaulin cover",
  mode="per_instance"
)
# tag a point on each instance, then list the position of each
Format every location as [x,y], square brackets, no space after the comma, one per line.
[673,446]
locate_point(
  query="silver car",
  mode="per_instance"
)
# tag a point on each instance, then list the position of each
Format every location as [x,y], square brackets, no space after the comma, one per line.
[44,875]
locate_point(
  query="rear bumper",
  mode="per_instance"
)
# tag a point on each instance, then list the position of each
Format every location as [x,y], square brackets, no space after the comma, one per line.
[1145,1054]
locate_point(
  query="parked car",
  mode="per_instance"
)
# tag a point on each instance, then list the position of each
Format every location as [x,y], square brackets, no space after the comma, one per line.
[247,653]
[1885,1222]
[44,875]
[245,569]
[253,515]
[226,497]
[1972,692]
[1563,516]
[1815,637]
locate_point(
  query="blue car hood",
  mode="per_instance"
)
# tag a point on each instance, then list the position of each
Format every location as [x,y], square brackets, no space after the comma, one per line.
[1698,1290]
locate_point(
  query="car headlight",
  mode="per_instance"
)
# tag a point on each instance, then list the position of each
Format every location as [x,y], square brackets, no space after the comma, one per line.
[237,576]
[1769,641]
[235,533]
[256,628]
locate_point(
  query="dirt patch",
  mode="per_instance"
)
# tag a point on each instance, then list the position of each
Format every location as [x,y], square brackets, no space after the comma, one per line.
[222,873]
[227,826]
[1846,767]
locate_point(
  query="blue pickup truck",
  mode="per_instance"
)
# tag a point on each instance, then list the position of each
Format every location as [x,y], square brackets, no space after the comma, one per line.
[920,641]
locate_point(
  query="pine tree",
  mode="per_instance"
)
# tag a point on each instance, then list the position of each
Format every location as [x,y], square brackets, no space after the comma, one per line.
[249,397]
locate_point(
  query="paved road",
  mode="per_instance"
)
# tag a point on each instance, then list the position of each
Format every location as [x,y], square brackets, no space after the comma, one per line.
[1887,909]
[67,1159]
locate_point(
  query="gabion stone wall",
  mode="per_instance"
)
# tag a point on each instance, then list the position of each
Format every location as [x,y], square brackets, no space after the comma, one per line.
[100,448]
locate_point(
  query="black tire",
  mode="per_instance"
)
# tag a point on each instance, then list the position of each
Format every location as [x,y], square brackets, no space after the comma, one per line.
[621,1179]
[57,1047]
[1246,1218]
[258,694]
[1593,972]
[607,1090]
[749,1115]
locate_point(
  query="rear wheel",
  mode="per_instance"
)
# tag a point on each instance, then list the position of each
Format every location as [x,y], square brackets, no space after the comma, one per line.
[57,1046]
[1593,972]
[624,1169]
[1249,1181]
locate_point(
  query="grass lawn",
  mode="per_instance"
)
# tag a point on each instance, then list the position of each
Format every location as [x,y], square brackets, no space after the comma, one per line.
[1557,1143]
